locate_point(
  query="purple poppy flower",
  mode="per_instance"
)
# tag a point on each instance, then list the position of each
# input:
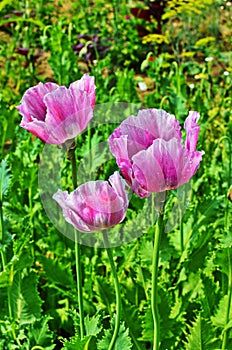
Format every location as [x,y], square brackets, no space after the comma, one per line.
[95,205]
[55,113]
[150,152]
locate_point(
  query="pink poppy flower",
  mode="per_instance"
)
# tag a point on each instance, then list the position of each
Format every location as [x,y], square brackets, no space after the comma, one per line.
[150,152]
[95,205]
[55,113]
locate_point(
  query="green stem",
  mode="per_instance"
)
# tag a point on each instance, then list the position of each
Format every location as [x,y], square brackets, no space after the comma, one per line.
[116,30]
[74,169]
[154,292]
[77,251]
[181,233]
[90,151]
[3,256]
[117,290]
[224,341]
[79,284]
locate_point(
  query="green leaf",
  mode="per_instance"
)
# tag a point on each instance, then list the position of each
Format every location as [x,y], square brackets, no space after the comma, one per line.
[41,334]
[133,322]
[147,325]
[226,241]
[200,335]
[91,325]
[146,251]
[3,303]
[30,308]
[219,319]
[4,3]
[55,273]
[123,340]
[14,293]
[76,343]
[24,299]
[5,178]
[4,278]
[210,300]
[104,291]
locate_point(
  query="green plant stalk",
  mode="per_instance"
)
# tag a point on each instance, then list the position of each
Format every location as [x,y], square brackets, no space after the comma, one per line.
[3,257]
[154,293]
[90,151]
[181,232]
[225,334]
[79,283]
[78,252]
[117,291]
[227,228]
[31,219]
[116,30]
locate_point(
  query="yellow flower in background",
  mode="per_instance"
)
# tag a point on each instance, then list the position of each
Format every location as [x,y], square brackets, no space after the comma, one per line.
[204,41]
[155,38]
[179,7]
[200,76]
[187,54]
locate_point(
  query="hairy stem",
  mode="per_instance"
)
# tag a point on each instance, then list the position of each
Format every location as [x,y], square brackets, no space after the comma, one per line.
[79,283]
[181,233]
[77,250]
[154,292]
[225,334]
[154,296]
[3,257]
[117,291]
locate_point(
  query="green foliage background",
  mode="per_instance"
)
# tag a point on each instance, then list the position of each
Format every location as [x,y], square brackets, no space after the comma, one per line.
[191,69]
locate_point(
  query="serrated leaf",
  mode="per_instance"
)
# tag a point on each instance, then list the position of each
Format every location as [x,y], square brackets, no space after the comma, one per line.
[5,178]
[42,335]
[91,325]
[226,241]
[14,292]
[30,307]
[76,343]
[123,340]
[133,322]
[147,325]
[55,273]
[4,278]
[200,335]
[3,302]
[222,260]
[25,302]
[23,260]
[145,252]
[210,299]
[219,319]
[104,291]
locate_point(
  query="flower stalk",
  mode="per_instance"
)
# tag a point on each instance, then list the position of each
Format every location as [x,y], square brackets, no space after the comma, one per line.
[71,154]
[155,264]
[3,257]
[117,291]
[229,303]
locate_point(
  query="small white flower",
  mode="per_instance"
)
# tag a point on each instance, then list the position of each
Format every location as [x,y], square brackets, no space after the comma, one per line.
[191,86]
[142,86]
[226,73]
[209,59]
[228,3]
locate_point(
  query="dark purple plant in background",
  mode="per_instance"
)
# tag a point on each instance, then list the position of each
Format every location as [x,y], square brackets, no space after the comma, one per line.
[155,9]
[90,47]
